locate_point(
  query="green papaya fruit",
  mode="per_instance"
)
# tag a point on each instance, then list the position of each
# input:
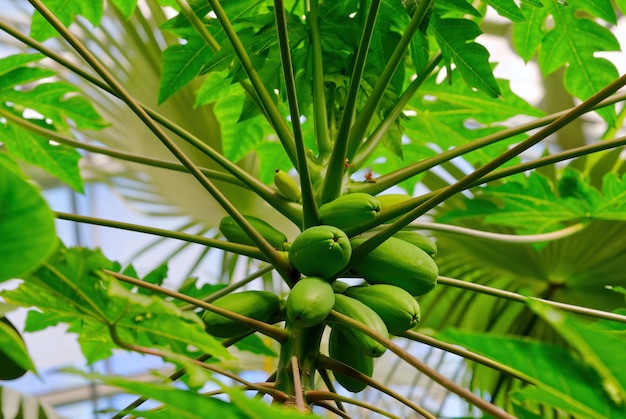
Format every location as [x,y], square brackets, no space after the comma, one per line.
[322,251]
[362,313]
[286,186]
[397,308]
[9,369]
[258,305]
[419,240]
[309,301]
[340,349]
[349,210]
[234,233]
[397,262]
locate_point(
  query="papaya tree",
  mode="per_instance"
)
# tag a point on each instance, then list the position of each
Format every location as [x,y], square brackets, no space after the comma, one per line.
[365,181]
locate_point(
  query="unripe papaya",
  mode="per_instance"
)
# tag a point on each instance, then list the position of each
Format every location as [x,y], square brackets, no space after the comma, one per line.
[286,186]
[322,251]
[399,310]
[419,240]
[9,369]
[309,301]
[339,348]
[234,233]
[349,210]
[258,305]
[361,313]
[397,262]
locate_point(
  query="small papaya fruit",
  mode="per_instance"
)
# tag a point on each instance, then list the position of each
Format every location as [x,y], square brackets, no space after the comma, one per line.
[258,305]
[362,313]
[309,301]
[397,308]
[234,233]
[397,262]
[349,210]
[286,185]
[339,348]
[322,251]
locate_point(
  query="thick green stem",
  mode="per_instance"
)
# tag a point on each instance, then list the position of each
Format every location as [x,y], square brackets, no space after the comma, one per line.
[304,344]
[320,117]
[310,215]
[336,166]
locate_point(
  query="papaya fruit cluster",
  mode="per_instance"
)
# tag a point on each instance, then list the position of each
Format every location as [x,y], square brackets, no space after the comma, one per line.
[395,273]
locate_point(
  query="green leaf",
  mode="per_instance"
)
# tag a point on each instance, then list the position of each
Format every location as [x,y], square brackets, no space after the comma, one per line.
[127,7]
[180,403]
[253,343]
[181,64]
[72,288]
[554,370]
[572,41]
[596,347]
[56,159]
[65,10]
[507,9]
[58,102]
[528,34]
[456,39]
[238,137]
[538,205]
[16,61]
[26,223]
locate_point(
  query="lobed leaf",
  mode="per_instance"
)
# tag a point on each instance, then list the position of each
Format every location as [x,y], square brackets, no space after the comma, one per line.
[71,288]
[456,40]
[57,159]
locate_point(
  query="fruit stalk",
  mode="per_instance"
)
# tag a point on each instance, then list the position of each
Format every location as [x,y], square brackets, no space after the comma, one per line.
[304,344]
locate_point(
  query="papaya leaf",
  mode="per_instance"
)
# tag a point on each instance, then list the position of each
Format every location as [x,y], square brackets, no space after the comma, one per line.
[59,102]
[15,61]
[26,223]
[456,40]
[72,288]
[507,9]
[57,159]
[573,41]
[239,138]
[181,64]
[596,347]
[65,11]
[553,370]
[538,205]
